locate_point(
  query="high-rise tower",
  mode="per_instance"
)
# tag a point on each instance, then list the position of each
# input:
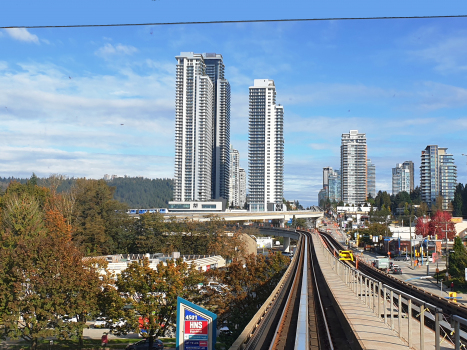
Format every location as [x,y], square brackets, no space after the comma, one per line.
[202,128]
[438,176]
[265,148]
[220,158]
[234,190]
[402,178]
[353,168]
[370,178]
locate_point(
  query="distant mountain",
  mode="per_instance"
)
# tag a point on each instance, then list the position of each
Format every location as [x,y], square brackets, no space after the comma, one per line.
[136,192]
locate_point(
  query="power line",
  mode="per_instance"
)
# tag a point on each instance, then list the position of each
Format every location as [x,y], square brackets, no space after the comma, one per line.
[228,22]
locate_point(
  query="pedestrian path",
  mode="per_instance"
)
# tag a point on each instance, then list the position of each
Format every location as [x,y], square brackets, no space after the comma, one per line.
[370,330]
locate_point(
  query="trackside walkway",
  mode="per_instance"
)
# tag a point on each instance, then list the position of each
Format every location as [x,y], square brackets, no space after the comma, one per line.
[370,330]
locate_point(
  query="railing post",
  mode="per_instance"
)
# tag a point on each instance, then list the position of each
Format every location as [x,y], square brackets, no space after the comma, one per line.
[409,317]
[422,327]
[365,280]
[392,311]
[384,306]
[379,296]
[437,330]
[373,297]
[400,314]
[457,335]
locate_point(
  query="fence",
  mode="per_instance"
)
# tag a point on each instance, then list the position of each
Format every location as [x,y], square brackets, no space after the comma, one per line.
[380,297]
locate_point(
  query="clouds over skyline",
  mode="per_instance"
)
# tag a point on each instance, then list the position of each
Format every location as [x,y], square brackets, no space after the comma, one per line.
[62,105]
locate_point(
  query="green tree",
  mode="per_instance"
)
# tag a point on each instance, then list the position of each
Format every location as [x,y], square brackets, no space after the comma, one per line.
[150,296]
[458,261]
[458,202]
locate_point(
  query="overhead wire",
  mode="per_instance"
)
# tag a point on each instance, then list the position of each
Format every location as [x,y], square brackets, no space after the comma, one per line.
[230,22]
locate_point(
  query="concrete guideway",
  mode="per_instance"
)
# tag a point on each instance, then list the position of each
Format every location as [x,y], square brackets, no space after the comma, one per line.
[245,216]
[361,309]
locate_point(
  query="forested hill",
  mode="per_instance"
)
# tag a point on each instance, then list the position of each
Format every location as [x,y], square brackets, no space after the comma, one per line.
[143,193]
[136,192]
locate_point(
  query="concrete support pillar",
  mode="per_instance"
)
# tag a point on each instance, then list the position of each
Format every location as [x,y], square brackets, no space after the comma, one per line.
[286,244]
[282,222]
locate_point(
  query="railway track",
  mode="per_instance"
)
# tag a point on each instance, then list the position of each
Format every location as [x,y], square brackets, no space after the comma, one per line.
[449,308]
[303,317]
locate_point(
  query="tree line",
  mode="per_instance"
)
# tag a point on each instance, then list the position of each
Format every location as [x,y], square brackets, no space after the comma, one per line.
[137,192]
[45,283]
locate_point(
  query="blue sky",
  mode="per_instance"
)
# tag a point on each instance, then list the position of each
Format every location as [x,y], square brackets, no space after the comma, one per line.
[64,92]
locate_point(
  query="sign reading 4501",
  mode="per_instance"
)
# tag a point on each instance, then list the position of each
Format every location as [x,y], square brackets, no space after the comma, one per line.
[196,327]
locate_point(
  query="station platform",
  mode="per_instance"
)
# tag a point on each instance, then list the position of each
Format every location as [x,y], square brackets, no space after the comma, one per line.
[369,330]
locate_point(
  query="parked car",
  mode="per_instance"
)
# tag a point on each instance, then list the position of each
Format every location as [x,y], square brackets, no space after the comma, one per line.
[101,322]
[143,344]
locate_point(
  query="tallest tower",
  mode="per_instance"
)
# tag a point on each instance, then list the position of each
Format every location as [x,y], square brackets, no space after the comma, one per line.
[221,128]
[202,128]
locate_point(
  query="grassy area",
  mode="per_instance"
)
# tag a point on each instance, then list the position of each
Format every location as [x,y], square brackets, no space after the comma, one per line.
[89,344]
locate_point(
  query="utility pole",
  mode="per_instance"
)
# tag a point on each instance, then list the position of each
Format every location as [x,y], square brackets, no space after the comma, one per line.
[410,233]
[446,246]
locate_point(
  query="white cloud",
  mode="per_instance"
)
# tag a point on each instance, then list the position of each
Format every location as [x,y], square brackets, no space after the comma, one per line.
[119,49]
[54,124]
[3,65]
[22,34]
[447,52]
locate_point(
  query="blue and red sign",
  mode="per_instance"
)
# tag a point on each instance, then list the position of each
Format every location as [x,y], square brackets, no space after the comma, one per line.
[196,327]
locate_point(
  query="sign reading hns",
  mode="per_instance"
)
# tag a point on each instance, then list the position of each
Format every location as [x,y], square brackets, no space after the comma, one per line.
[196,327]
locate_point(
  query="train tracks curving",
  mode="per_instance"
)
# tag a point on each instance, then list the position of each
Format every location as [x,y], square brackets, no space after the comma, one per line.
[303,316]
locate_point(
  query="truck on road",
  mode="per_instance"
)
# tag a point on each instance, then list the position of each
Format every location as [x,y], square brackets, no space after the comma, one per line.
[381,263]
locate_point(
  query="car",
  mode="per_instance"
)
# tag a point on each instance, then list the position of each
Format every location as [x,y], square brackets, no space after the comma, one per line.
[397,271]
[144,344]
[101,322]
[401,258]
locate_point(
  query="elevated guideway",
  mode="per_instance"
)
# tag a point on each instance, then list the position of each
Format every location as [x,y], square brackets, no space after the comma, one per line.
[247,215]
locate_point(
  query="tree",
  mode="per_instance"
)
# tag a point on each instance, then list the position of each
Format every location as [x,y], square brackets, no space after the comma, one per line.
[152,296]
[458,260]
[440,222]
[250,283]
[48,284]
[422,228]
[458,202]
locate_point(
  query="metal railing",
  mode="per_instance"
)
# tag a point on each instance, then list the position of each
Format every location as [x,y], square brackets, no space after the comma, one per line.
[379,297]
[456,322]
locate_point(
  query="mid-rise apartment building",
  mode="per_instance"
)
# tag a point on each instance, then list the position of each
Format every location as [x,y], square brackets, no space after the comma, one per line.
[354,167]
[370,178]
[402,178]
[334,186]
[202,128]
[438,176]
[265,148]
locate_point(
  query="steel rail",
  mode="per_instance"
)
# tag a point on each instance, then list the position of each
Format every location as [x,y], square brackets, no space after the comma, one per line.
[328,334]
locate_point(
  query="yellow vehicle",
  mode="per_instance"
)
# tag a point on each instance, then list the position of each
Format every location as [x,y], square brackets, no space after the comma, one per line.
[346,255]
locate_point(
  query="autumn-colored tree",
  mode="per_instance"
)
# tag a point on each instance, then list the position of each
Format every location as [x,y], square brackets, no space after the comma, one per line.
[423,227]
[250,283]
[152,294]
[440,223]
[43,281]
